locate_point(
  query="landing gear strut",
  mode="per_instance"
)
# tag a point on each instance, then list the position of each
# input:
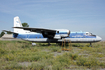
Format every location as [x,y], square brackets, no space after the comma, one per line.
[49,44]
[90,45]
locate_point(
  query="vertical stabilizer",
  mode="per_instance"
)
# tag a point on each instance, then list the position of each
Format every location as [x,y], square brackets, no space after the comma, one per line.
[17,23]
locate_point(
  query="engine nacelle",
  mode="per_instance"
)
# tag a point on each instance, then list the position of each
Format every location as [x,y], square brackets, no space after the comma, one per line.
[62,33]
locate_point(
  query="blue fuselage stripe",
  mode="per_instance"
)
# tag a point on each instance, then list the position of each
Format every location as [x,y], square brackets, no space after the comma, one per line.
[72,35]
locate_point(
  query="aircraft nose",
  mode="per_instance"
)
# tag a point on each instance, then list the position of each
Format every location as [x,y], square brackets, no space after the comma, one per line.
[99,38]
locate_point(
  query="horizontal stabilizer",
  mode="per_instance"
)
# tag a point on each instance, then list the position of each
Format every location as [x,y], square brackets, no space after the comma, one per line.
[9,31]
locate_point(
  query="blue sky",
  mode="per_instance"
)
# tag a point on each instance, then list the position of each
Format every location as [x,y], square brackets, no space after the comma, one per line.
[75,15]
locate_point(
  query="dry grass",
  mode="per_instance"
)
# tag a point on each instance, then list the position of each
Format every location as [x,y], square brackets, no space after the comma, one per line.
[21,55]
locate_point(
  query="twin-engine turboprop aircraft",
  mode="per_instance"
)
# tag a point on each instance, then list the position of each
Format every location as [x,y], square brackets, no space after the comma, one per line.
[51,35]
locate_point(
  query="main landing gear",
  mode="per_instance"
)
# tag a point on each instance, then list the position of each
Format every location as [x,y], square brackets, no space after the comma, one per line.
[49,44]
[90,45]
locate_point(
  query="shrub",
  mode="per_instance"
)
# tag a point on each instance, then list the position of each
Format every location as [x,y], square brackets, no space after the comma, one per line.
[100,55]
[59,51]
[81,61]
[36,57]
[89,62]
[12,51]
[57,66]
[13,66]
[25,46]
[34,49]
[9,57]
[28,58]
[64,61]
[102,64]
[70,55]
[2,52]
[54,49]
[33,56]
[76,45]
[37,66]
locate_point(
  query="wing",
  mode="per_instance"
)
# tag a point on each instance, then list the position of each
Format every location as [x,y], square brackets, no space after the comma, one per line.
[38,30]
[47,33]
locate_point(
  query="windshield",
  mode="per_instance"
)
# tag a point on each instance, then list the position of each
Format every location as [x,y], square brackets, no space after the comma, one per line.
[90,34]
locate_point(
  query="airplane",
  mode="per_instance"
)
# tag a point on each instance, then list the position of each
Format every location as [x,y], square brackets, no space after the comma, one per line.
[44,35]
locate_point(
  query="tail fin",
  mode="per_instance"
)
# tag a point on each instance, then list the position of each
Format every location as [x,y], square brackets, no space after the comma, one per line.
[17,23]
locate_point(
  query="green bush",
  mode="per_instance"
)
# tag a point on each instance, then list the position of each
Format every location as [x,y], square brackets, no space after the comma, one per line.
[37,66]
[100,55]
[9,57]
[57,66]
[36,57]
[70,55]
[102,64]
[54,49]
[2,52]
[81,61]
[88,62]
[34,49]
[13,66]
[32,56]
[64,61]
[59,51]
[25,46]
[28,58]
[76,45]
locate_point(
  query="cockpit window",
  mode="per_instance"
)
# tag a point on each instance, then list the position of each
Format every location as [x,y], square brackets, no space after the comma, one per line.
[86,33]
[90,34]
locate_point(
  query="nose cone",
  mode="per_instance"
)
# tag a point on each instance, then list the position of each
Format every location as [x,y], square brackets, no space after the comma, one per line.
[98,38]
